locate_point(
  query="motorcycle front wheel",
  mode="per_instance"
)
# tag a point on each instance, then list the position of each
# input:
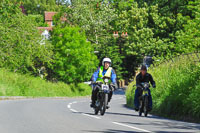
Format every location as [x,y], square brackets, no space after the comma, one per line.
[145,106]
[141,107]
[104,104]
[96,111]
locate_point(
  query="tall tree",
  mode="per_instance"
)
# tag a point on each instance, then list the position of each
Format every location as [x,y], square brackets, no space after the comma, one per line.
[188,39]
[20,41]
[74,56]
[95,18]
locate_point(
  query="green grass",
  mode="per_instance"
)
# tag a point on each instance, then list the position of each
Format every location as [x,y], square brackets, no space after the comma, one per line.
[177,94]
[15,84]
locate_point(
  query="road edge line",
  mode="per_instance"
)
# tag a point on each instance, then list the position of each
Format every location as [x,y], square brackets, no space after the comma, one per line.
[139,129]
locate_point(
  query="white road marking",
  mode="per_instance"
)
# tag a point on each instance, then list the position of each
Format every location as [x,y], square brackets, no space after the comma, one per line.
[73,110]
[139,129]
[91,116]
[69,106]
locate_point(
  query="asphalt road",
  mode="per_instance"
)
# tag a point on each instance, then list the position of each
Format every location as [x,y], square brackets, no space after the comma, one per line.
[73,115]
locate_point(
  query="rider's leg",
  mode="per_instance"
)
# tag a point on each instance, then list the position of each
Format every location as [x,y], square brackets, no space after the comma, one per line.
[110,96]
[136,98]
[94,95]
[150,99]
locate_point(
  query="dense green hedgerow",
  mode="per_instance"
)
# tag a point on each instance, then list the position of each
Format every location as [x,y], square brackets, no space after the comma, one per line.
[178,89]
[14,84]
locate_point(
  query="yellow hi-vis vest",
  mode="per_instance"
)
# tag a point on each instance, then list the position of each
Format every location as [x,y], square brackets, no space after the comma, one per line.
[107,74]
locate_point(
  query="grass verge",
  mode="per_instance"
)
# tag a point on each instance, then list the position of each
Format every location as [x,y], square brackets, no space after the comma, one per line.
[177,94]
[15,84]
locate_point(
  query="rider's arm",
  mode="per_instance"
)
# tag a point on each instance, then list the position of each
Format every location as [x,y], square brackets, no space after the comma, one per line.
[95,75]
[138,82]
[113,77]
[153,83]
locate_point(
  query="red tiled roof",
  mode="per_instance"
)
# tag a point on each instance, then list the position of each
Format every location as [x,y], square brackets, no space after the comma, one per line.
[49,15]
[41,29]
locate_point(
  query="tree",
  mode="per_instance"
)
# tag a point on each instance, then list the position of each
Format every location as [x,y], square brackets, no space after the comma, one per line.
[153,28]
[39,20]
[38,6]
[188,39]
[74,59]
[93,17]
[19,41]
[96,18]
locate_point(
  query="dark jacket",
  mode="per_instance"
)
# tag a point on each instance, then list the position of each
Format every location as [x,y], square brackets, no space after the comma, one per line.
[147,78]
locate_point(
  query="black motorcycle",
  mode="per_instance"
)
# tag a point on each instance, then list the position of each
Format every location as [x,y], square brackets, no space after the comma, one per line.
[144,99]
[102,96]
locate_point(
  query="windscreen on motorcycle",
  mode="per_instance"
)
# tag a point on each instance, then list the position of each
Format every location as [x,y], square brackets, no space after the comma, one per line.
[145,85]
[106,79]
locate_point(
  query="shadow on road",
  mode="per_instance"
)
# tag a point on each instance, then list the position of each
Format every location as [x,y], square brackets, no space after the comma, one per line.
[124,114]
[110,131]
[119,92]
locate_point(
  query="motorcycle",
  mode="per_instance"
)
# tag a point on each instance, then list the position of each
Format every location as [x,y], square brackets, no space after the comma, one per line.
[104,88]
[144,99]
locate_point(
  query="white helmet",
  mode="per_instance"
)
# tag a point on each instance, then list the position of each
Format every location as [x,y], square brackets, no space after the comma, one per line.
[106,60]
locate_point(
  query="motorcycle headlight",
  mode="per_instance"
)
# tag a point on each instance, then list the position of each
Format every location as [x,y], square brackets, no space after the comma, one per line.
[106,80]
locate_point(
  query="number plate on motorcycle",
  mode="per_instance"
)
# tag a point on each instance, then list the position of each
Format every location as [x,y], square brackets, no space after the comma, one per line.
[105,87]
[145,92]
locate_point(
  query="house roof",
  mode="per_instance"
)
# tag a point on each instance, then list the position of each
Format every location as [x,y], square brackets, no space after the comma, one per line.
[49,15]
[41,29]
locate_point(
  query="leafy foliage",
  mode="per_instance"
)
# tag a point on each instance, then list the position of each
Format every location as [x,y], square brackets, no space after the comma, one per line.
[188,39]
[155,28]
[74,56]
[39,20]
[19,41]
[159,28]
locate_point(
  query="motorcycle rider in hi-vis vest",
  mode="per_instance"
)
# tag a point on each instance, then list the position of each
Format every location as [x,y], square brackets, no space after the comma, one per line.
[103,71]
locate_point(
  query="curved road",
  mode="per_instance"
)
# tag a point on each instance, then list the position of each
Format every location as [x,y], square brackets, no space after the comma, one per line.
[73,115]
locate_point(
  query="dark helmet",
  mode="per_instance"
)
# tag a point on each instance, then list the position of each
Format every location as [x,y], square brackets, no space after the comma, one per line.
[143,67]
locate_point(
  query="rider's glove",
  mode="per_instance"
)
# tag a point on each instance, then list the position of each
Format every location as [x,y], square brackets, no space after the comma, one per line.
[113,86]
[154,86]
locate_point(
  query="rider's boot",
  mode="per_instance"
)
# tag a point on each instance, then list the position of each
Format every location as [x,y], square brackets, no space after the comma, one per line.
[149,109]
[92,105]
[107,107]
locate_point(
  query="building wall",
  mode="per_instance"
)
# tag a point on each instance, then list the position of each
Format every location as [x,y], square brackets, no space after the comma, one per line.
[49,22]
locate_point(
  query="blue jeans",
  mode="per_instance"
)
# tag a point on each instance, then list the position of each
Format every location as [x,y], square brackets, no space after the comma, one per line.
[138,93]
